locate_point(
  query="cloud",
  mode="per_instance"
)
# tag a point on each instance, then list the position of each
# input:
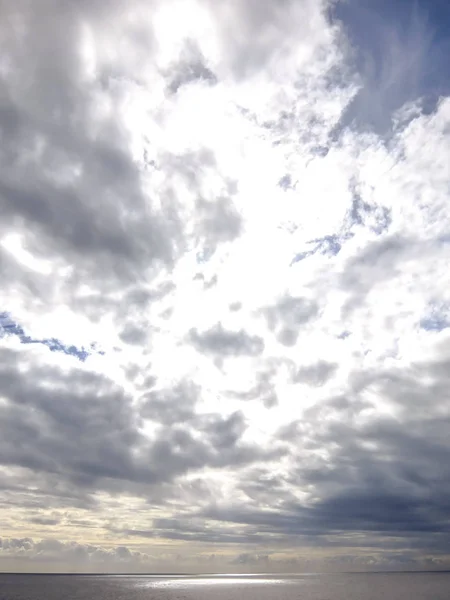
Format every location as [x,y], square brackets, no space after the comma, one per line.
[75,444]
[221,223]
[59,110]
[171,406]
[224,285]
[54,551]
[288,315]
[367,466]
[190,69]
[317,374]
[222,343]
[258,34]
[44,424]
[264,389]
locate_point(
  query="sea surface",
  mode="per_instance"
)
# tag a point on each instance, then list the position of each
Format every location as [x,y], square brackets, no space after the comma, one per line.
[355,586]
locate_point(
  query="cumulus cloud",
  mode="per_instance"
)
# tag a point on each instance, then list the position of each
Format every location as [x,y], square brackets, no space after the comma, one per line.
[288,315]
[221,342]
[53,551]
[224,310]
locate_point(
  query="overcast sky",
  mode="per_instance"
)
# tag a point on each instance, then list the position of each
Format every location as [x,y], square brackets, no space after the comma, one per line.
[224,299]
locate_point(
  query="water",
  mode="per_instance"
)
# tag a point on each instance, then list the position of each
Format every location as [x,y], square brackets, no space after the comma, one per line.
[367,586]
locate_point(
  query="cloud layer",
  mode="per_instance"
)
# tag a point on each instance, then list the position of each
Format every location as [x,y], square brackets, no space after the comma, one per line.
[225,318]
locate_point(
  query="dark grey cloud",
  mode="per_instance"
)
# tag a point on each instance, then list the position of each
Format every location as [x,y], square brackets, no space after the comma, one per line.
[80,426]
[206,440]
[69,184]
[54,114]
[78,433]
[134,313]
[383,477]
[225,432]
[190,530]
[173,405]
[221,343]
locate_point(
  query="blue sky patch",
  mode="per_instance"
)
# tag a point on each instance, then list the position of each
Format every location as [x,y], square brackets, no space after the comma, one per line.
[344,335]
[437,319]
[329,245]
[400,52]
[9,327]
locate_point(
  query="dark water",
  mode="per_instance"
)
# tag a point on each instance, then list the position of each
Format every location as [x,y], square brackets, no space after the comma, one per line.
[374,586]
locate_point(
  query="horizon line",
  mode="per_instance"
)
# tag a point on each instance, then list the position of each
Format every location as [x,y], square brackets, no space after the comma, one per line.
[221,574]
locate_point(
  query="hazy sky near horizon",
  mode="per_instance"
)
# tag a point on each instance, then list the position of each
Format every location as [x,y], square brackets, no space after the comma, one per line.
[225,299]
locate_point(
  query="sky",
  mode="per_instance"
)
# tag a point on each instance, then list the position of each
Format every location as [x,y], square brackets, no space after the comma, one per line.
[224,300]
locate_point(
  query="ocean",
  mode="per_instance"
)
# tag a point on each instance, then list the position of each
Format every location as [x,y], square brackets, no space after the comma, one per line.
[348,586]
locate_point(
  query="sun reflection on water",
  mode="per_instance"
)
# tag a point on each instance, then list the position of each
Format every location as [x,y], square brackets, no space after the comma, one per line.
[181,582]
